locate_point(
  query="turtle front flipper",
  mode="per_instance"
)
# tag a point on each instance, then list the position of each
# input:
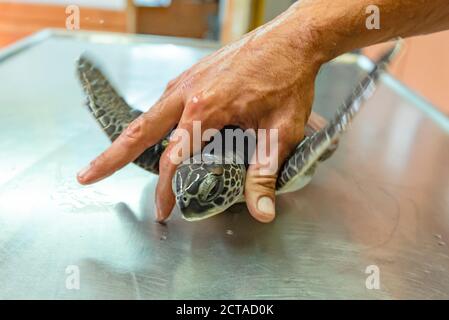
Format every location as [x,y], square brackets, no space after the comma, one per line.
[313,148]
[109,109]
[316,123]
[112,112]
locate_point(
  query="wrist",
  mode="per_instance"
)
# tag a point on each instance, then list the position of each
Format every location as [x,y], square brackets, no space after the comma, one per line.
[308,35]
[328,32]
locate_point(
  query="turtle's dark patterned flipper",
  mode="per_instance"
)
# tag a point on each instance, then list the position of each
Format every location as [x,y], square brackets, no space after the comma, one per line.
[112,112]
[312,149]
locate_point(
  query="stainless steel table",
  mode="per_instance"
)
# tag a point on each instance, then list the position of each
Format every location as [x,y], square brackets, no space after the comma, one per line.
[382,200]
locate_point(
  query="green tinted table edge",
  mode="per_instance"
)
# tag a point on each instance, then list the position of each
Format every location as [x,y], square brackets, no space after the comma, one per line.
[100,37]
[418,101]
[24,44]
[404,91]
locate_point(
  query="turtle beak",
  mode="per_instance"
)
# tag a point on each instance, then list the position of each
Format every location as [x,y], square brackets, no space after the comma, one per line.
[192,210]
[188,207]
[188,213]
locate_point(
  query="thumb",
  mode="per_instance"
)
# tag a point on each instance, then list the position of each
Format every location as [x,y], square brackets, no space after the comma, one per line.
[272,149]
[260,193]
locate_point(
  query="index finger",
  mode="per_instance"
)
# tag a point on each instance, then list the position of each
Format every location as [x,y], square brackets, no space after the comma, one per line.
[142,133]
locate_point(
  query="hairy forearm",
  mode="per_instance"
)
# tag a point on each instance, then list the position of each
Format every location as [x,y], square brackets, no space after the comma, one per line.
[338,26]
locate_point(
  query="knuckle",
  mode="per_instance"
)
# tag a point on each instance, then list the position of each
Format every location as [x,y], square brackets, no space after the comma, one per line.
[185,85]
[201,105]
[135,133]
[262,182]
[166,162]
[99,161]
[171,84]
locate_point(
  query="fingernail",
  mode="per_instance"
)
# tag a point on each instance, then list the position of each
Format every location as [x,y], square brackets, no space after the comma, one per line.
[82,173]
[266,206]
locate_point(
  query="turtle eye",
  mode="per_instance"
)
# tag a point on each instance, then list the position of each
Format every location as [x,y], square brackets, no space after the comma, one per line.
[209,189]
[213,192]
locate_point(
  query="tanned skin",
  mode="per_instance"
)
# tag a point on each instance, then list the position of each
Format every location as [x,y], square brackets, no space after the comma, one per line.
[265,80]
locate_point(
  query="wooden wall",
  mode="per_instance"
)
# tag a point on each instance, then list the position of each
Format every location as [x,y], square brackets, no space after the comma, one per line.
[424,67]
[183,18]
[18,20]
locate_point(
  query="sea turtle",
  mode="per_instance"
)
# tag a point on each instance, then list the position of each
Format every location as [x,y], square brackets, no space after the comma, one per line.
[211,186]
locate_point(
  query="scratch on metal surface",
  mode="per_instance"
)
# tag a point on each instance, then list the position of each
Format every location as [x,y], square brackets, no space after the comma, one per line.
[153,281]
[396,223]
[136,285]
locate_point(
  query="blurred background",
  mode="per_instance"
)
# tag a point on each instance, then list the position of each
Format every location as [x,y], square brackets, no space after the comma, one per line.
[423,66]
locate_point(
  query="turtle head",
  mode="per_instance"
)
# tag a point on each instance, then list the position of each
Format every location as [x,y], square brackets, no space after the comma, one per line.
[206,189]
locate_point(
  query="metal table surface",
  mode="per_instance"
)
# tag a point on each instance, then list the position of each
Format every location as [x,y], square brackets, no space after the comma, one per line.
[382,200]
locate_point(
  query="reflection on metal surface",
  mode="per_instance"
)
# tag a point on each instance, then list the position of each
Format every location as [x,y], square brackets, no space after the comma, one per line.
[419,102]
[402,137]
[360,209]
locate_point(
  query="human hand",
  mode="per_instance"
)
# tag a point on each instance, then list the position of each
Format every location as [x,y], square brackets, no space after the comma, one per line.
[264,81]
